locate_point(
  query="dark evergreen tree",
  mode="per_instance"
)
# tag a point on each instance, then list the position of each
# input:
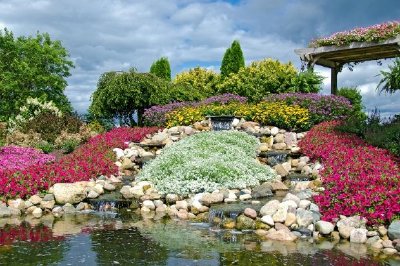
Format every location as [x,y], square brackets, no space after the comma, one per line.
[161,68]
[233,59]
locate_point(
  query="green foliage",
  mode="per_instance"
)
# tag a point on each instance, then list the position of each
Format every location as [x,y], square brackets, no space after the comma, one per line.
[390,82]
[121,95]
[161,68]
[45,147]
[205,162]
[199,82]
[70,145]
[308,81]
[261,78]
[375,130]
[355,98]
[32,67]
[233,60]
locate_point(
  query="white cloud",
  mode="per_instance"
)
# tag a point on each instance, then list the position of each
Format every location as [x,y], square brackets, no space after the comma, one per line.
[116,35]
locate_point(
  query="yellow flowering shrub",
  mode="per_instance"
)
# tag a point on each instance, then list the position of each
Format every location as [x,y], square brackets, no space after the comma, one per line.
[292,117]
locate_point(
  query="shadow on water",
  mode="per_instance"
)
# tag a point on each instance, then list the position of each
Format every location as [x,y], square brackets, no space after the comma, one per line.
[125,239]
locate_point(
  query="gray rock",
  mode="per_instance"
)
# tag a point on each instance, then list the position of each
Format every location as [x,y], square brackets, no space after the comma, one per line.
[48,197]
[35,199]
[16,204]
[314,207]
[251,213]
[211,198]
[290,196]
[394,230]
[345,231]
[270,207]
[354,221]
[281,235]
[92,194]
[47,204]
[181,204]
[304,204]
[69,193]
[281,214]
[37,212]
[15,212]
[149,204]
[81,206]
[68,208]
[267,219]
[304,217]
[372,240]
[126,192]
[261,191]
[58,211]
[171,198]
[389,251]
[109,187]
[358,235]
[324,227]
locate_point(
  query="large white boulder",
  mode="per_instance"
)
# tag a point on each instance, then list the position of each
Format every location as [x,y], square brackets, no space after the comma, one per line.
[69,193]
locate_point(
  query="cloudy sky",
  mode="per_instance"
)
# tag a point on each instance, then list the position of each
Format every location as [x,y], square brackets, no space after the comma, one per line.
[104,35]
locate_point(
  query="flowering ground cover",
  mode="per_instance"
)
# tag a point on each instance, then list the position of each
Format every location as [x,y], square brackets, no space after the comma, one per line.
[88,161]
[358,178]
[156,115]
[17,158]
[207,161]
[375,33]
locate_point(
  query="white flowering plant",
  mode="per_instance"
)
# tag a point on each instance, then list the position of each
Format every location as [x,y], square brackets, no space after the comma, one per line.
[30,110]
[207,161]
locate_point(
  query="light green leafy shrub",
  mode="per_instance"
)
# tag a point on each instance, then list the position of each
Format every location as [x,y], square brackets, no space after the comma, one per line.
[207,161]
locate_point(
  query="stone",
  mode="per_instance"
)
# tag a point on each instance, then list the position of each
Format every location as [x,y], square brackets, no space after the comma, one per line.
[372,240]
[28,204]
[211,198]
[245,197]
[35,199]
[279,146]
[276,186]
[372,233]
[243,222]
[267,219]
[118,152]
[290,139]
[306,170]
[69,193]
[15,211]
[290,219]
[282,169]
[158,203]
[48,197]
[181,204]
[274,131]
[358,235]
[345,231]
[324,227]
[261,191]
[92,194]
[263,147]
[387,244]
[57,211]
[161,208]
[149,204]
[290,203]
[281,214]
[171,198]
[16,204]
[382,230]
[290,196]
[136,191]
[81,206]
[314,207]
[394,230]
[389,251]
[37,212]
[159,138]
[68,208]
[270,208]
[126,192]
[145,209]
[47,204]
[127,164]
[281,235]
[377,244]
[109,187]
[251,213]
[304,217]
[279,138]
[304,204]
[98,188]
[335,235]
[182,214]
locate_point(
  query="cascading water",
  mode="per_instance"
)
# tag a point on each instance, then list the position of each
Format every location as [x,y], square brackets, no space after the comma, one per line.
[274,157]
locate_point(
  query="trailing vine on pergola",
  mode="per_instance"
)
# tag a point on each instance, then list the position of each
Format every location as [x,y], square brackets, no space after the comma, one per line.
[377,42]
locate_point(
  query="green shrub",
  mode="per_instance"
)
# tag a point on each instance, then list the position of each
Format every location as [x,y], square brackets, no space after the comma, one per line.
[70,145]
[161,68]
[259,79]
[233,60]
[355,98]
[45,147]
[207,161]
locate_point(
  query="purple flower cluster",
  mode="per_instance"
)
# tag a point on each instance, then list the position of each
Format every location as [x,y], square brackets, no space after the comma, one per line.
[321,107]
[155,115]
[18,158]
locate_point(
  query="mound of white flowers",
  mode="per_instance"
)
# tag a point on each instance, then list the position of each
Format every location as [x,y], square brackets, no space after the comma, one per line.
[207,161]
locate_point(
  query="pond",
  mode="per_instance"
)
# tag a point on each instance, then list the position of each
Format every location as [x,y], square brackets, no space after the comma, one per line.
[125,239]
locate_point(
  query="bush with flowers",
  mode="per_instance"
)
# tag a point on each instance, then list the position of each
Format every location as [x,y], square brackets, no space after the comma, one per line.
[375,33]
[90,160]
[359,179]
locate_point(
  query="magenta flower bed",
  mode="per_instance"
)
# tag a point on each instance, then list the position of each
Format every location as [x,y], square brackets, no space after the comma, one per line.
[17,158]
[358,178]
[88,161]
[155,115]
[375,33]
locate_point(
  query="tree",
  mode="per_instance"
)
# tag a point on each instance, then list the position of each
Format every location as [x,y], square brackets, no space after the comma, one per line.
[233,59]
[390,81]
[32,67]
[161,68]
[123,95]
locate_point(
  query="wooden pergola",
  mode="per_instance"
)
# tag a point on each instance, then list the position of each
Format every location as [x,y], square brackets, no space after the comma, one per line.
[335,57]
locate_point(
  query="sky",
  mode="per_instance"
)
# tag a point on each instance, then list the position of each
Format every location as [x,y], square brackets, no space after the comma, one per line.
[107,35]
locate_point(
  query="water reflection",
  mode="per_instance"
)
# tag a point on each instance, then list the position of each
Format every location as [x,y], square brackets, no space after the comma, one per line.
[126,240]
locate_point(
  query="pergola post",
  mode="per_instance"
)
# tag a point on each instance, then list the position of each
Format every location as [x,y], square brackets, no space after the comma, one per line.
[334,73]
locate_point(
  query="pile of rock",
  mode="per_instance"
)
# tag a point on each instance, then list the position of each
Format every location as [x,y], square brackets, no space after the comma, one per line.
[61,198]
